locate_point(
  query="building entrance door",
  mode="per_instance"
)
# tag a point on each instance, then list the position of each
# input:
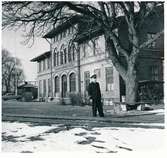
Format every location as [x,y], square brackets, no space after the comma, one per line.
[122,89]
[64,86]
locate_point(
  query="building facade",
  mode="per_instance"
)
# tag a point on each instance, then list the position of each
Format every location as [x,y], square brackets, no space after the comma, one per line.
[67,67]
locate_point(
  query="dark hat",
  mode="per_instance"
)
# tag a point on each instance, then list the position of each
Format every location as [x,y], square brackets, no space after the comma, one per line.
[93,76]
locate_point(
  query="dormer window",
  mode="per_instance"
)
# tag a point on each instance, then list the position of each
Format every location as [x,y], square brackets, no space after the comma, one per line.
[57,38]
[64,34]
[60,36]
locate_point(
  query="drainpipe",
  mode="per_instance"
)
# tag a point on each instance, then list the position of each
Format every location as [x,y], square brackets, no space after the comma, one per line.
[79,69]
[51,76]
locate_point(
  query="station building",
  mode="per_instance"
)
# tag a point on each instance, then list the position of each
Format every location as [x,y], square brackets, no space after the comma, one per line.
[67,67]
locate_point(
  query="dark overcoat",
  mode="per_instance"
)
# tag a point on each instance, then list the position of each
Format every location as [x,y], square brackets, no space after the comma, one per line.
[94,91]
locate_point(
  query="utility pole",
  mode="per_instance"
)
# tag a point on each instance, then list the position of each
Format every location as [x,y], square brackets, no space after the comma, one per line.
[77,48]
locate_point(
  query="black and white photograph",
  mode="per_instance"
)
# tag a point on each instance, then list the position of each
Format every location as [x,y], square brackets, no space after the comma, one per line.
[82,76]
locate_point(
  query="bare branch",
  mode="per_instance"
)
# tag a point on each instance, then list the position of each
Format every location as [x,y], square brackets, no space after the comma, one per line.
[145,44]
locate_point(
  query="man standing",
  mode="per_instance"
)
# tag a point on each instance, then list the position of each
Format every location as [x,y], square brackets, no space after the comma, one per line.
[95,96]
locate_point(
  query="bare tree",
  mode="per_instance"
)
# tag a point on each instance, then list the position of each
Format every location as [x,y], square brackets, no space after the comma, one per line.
[12,72]
[37,17]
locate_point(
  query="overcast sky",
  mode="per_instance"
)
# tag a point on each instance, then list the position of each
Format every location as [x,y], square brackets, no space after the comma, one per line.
[12,42]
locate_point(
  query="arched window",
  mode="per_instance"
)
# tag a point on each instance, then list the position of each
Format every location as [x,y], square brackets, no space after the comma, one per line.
[65,55]
[62,54]
[57,58]
[61,57]
[44,88]
[64,85]
[73,52]
[72,80]
[49,87]
[57,89]
[69,55]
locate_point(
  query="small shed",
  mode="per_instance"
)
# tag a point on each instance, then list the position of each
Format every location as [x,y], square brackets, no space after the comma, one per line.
[28,91]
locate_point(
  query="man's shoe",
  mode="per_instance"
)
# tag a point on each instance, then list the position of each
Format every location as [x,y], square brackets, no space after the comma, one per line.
[101,115]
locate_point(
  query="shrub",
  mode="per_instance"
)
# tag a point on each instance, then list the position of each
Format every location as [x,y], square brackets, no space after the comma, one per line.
[75,98]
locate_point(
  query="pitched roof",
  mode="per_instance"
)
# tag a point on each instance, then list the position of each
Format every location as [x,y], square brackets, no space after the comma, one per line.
[26,86]
[89,30]
[41,56]
[63,26]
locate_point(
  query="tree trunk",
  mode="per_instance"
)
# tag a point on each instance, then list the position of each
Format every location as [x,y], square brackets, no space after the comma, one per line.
[128,73]
[8,88]
[131,86]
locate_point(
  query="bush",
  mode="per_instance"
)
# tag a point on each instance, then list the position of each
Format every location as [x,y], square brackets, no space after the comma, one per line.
[75,98]
[11,97]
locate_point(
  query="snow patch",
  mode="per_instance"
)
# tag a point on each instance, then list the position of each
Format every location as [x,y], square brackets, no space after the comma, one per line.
[108,139]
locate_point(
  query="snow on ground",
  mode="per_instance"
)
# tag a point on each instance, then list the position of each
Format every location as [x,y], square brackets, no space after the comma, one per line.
[158,111]
[26,137]
[150,124]
[136,112]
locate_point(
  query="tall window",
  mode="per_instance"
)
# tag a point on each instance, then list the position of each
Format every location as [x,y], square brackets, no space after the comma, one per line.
[86,79]
[62,54]
[64,33]
[60,36]
[49,87]
[40,88]
[57,58]
[72,82]
[99,45]
[69,55]
[44,65]
[48,62]
[40,69]
[64,85]
[154,72]
[57,84]
[73,52]
[57,38]
[65,55]
[61,57]
[109,79]
[44,88]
